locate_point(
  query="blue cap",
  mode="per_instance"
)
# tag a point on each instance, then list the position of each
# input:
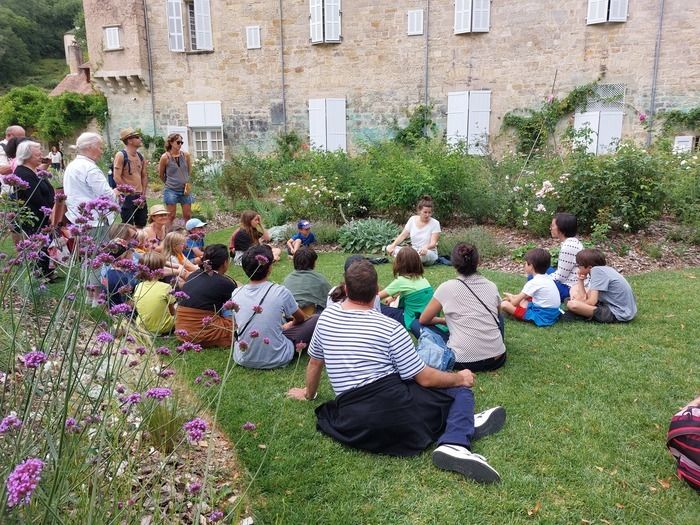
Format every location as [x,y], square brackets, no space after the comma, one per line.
[303,224]
[194,223]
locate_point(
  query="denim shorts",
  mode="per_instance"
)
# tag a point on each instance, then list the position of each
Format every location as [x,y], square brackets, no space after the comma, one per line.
[171,197]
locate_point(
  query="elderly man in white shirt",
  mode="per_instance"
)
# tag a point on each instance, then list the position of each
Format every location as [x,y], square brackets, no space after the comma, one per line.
[84,181]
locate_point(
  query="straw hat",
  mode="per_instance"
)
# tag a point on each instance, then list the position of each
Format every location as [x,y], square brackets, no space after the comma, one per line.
[157,209]
[127,133]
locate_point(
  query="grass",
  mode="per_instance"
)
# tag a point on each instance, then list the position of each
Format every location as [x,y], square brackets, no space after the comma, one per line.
[588,409]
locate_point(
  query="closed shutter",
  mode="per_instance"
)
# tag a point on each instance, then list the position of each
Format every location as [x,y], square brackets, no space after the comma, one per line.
[252,34]
[336,124]
[202,23]
[182,131]
[597,12]
[463,16]
[317,123]
[196,115]
[478,122]
[618,11]
[457,111]
[589,121]
[481,16]
[415,22]
[683,144]
[609,131]
[111,38]
[316,21]
[176,39]
[331,16]
[212,114]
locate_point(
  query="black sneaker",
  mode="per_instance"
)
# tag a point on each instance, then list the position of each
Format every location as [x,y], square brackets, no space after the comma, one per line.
[460,459]
[571,316]
[488,422]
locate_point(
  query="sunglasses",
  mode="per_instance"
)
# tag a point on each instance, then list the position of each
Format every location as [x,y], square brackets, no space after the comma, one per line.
[179,142]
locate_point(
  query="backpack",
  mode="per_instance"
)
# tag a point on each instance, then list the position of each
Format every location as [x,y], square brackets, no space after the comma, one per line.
[110,173]
[683,441]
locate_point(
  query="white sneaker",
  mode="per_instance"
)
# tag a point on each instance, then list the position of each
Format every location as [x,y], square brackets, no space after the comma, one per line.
[488,422]
[460,459]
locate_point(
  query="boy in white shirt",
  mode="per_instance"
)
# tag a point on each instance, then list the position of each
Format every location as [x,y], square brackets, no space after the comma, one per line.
[539,300]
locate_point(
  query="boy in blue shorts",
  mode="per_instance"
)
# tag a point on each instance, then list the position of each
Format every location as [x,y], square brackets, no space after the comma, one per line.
[303,237]
[194,245]
[539,300]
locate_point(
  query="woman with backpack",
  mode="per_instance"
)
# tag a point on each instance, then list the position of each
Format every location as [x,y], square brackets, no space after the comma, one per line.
[174,169]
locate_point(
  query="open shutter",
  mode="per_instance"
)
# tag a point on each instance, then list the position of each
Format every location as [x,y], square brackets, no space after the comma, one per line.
[182,131]
[196,115]
[683,144]
[478,122]
[336,124]
[176,39]
[457,111]
[415,22]
[331,16]
[618,11]
[317,123]
[588,120]
[316,21]
[212,114]
[202,24]
[481,16]
[252,34]
[597,12]
[609,131]
[463,16]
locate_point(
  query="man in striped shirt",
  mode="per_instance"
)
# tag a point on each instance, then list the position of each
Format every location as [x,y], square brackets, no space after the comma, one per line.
[387,400]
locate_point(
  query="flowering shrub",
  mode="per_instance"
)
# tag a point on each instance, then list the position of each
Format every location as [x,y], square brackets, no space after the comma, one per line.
[313,197]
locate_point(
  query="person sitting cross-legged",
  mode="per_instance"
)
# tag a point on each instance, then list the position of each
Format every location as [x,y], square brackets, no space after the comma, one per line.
[388,400]
[309,288]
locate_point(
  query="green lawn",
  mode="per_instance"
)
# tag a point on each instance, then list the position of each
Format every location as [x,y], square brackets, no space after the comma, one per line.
[588,408]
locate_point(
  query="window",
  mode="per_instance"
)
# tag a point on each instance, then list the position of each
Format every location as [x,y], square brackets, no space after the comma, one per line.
[686,144]
[472,16]
[327,124]
[468,115]
[198,22]
[204,119]
[324,21]
[252,34]
[601,11]
[599,123]
[111,38]
[415,22]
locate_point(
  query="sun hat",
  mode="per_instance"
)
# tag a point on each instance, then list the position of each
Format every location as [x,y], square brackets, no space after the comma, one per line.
[157,209]
[303,224]
[128,133]
[194,223]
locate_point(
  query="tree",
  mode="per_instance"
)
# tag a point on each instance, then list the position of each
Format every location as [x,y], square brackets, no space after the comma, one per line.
[22,106]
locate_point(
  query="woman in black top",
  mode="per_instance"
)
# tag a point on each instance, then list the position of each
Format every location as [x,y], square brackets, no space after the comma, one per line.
[251,232]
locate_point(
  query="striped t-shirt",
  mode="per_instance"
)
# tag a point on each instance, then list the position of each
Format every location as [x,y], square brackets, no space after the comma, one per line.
[362,346]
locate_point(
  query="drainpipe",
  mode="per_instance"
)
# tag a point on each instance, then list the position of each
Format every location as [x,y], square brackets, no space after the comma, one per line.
[150,65]
[657,52]
[284,96]
[427,43]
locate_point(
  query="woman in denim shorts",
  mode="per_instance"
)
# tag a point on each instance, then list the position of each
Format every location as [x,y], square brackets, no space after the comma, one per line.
[174,169]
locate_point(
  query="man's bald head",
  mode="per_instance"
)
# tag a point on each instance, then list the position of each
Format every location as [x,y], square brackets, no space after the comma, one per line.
[16,132]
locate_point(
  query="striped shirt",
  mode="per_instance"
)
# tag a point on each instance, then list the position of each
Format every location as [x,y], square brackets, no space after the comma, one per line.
[566,267]
[362,346]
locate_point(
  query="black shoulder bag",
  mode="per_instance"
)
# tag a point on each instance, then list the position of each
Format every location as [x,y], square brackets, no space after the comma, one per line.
[498,325]
[235,331]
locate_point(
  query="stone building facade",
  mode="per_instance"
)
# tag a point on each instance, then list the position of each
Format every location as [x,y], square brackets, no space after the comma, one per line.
[232,74]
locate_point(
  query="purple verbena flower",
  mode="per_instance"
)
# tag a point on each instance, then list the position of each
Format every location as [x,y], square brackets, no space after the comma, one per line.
[120,309]
[254,333]
[262,260]
[166,373]
[187,346]
[140,350]
[10,422]
[215,516]
[163,350]
[120,388]
[230,305]
[194,487]
[104,337]
[17,182]
[300,346]
[206,321]
[181,332]
[127,189]
[249,425]
[266,340]
[34,359]
[258,309]
[180,295]
[195,429]
[159,393]
[46,210]
[72,425]
[22,481]
[243,346]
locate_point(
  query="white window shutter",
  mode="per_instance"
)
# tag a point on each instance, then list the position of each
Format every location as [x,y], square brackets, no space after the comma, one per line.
[202,24]
[252,34]
[111,38]
[212,114]
[176,39]
[316,20]
[182,131]
[415,22]
[463,16]
[336,124]
[331,13]
[609,131]
[317,123]
[618,11]
[588,120]
[683,144]
[481,16]
[597,12]
[478,122]
[457,112]
[196,115]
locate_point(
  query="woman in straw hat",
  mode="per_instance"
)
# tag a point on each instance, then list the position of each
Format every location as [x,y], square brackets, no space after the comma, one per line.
[158,225]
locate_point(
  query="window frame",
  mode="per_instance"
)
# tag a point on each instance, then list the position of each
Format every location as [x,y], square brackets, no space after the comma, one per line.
[604,11]
[115,32]
[209,140]
[415,22]
[472,16]
[321,26]
[189,26]
[253,37]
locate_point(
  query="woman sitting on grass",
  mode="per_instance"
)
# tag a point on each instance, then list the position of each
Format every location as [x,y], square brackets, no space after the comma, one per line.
[424,232]
[153,301]
[199,314]
[175,260]
[251,232]
[470,303]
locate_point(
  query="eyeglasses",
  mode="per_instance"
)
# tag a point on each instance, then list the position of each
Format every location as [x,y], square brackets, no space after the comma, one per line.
[179,142]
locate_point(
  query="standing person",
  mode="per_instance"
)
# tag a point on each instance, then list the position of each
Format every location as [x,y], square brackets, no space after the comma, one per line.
[471,307]
[175,169]
[130,168]
[251,232]
[387,400]
[55,158]
[564,227]
[424,232]
[5,166]
[84,180]
[608,298]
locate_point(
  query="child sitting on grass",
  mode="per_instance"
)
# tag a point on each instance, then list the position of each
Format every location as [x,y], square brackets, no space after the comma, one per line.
[176,263]
[303,237]
[194,249]
[539,299]
[309,288]
[608,298]
[152,298]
